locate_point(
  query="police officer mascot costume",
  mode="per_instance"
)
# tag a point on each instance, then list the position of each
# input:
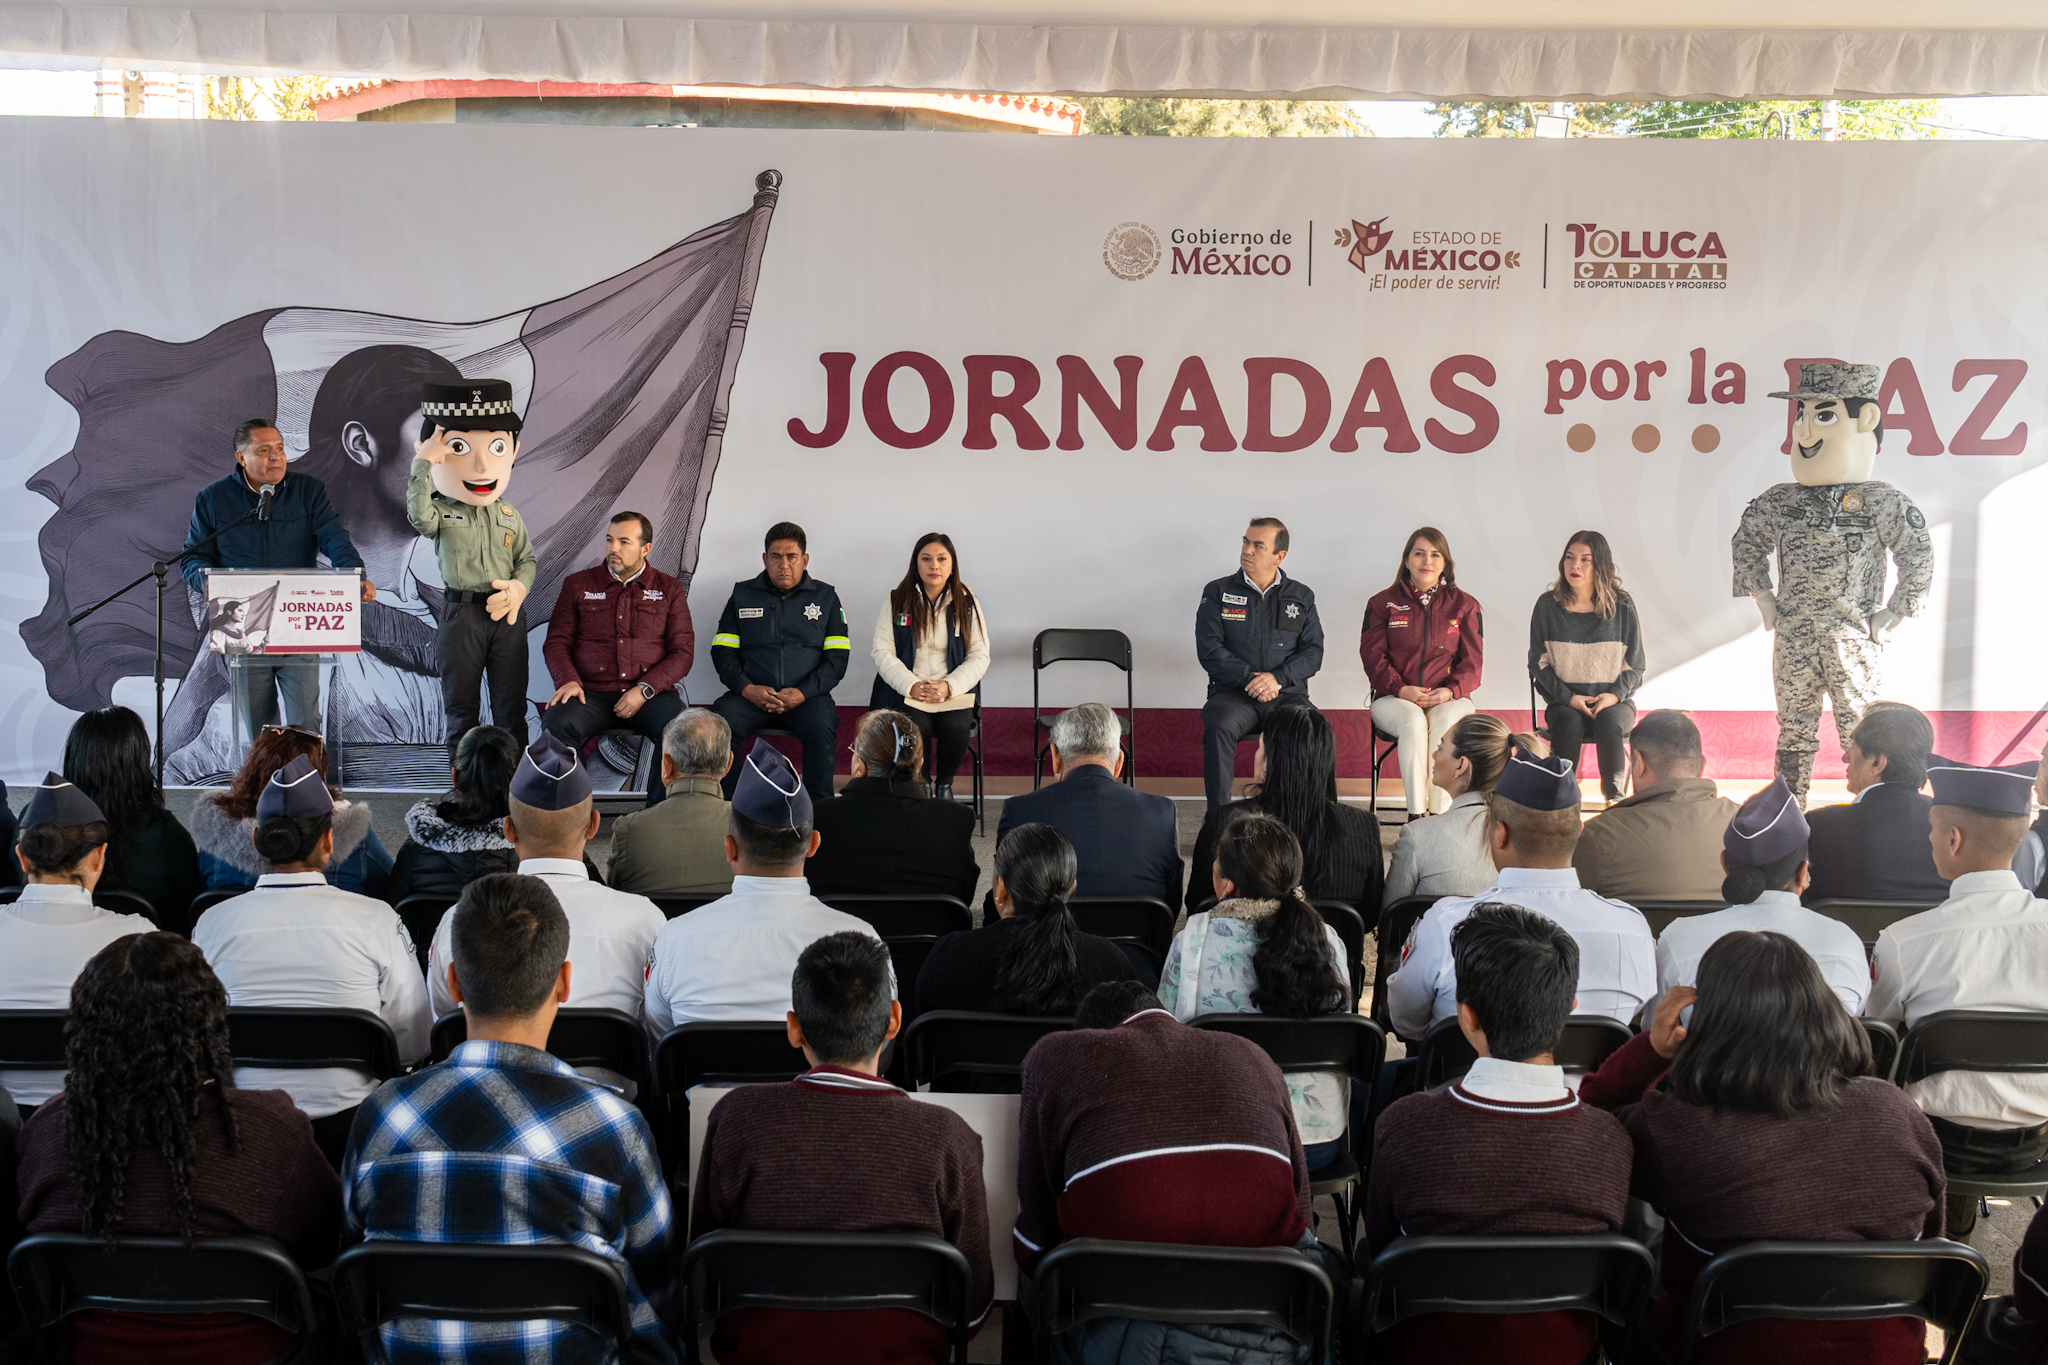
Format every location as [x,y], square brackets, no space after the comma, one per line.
[456,498]
[1832,529]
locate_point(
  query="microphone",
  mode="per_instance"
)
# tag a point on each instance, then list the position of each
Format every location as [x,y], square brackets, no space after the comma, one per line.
[264,495]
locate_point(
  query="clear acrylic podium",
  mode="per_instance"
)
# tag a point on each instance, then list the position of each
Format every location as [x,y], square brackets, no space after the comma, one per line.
[279,632]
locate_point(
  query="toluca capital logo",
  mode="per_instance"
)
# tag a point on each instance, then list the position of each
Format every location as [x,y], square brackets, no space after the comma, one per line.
[1131,251]
[1633,258]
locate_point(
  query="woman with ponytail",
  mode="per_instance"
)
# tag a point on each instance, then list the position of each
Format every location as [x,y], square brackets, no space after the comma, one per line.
[883,835]
[1033,960]
[1446,855]
[151,1138]
[1763,854]
[1263,949]
[457,838]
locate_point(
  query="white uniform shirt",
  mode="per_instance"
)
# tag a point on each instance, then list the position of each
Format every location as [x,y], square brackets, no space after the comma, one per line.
[732,959]
[1984,948]
[296,942]
[1832,944]
[1617,952]
[46,938]
[610,936]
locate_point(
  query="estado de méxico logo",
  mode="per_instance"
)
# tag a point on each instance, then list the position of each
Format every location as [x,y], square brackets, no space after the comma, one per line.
[1434,258]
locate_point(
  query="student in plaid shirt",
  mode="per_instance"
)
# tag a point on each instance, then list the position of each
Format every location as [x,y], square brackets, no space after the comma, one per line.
[503,1143]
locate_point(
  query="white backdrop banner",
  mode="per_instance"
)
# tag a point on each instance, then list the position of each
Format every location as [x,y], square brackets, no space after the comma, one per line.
[1089,360]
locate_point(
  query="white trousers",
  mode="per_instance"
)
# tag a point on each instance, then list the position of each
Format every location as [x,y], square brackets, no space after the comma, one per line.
[1417,733]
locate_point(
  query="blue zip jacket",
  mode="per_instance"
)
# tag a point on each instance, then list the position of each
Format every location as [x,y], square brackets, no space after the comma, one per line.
[794,639]
[302,522]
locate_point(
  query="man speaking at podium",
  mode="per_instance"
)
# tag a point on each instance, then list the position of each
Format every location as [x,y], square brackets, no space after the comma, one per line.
[294,522]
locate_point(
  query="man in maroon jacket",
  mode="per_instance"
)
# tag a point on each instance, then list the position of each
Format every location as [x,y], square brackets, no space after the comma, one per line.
[619,642]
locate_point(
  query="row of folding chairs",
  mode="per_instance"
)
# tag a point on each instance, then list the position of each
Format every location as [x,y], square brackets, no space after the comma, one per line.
[1612,1277]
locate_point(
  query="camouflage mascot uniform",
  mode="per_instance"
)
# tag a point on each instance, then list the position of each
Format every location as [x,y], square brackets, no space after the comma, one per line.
[1831,529]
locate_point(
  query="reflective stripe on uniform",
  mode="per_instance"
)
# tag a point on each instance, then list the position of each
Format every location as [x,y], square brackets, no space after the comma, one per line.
[729,641]
[838,642]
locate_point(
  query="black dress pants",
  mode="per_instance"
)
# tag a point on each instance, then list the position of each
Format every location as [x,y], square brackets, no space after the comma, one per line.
[815,725]
[472,644]
[1228,717]
[1984,1151]
[574,722]
[1570,729]
[950,729]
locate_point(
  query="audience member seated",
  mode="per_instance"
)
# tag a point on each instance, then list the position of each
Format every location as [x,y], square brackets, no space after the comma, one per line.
[1874,847]
[1532,821]
[1984,948]
[151,1138]
[1136,1128]
[1294,778]
[503,1144]
[1517,974]
[54,929]
[1446,855]
[222,825]
[297,942]
[148,852]
[1663,843]
[1764,855]
[884,834]
[551,817]
[2030,864]
[1033,959]
[1263,949]
[1126,842]
[676,847]
[10,872]
[839,1149]
[730,959]
[1768,1126]
[2030,1288]
[454,839]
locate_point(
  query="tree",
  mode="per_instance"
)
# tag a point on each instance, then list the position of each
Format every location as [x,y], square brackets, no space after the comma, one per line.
[1221,118]
[1856,119]
[242,97]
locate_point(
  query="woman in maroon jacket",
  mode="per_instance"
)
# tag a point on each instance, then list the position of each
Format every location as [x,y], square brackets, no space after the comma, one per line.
[1423,646]
[1761,1122]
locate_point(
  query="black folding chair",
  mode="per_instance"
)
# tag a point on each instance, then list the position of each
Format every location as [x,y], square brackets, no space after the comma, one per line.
[1884,1047]
[975,745]
[713,1053]
[1936,1281]
[1350,927]
[1143,923]
[301,1039]
[1998,1335]
[421,914]
[1589,1039]
[732,1269]
[1980,1040]
[379,1281]
[966,1052]
[612,1039]
[1270,1287]
[209,898]
[1384,746]
[32,1040]
[121,903]
[672,906]
[1867,917]
[1396,922]
[1111,647]
[1660,914]
[910,925]
[1605,1274]
[59,1274]
[1348,1044]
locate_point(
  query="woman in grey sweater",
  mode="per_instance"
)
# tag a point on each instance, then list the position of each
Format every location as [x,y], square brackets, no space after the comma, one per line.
[1586,658]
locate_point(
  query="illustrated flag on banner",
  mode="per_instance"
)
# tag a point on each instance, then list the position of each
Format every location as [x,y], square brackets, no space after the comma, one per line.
[624,388]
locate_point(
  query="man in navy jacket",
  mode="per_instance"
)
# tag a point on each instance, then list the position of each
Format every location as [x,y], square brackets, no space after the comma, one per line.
[302,523]
[1126,842]
[1260,641]
[1875,847]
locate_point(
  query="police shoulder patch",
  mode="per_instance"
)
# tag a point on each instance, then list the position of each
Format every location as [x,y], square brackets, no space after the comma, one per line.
[1914,519]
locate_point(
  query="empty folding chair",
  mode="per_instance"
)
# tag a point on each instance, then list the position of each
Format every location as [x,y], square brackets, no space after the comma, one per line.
[1111,647]
[966,1052]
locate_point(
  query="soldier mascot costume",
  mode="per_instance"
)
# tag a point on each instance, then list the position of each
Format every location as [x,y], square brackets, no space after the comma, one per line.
[1832,529]
[456,497]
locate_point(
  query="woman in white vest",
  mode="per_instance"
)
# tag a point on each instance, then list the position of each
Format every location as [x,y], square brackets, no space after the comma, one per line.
[930,652]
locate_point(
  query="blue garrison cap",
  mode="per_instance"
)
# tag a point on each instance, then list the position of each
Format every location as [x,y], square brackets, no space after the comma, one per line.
[1769,826]
[2006,791]
[770,792]
[1539,783]
[295,792]
[550,777]
[57,802]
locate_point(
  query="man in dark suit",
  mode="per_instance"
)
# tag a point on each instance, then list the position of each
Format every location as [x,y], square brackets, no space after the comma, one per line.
[1126,842]
[1875,847]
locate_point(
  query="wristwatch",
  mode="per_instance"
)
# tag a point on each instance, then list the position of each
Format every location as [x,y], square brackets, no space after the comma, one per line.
[646,692]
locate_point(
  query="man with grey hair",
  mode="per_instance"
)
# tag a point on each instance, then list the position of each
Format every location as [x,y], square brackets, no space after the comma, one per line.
[1125,842]
[677,847]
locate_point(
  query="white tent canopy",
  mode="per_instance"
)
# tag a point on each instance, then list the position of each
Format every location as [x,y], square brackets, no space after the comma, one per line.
[1399,49]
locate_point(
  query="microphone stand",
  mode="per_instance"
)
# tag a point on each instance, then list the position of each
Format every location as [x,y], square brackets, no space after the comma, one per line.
[159,571]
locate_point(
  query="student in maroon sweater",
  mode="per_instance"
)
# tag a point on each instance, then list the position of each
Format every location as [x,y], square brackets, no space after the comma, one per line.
[1518,976]
[1761,1121]
[841,1149]
[150,1138]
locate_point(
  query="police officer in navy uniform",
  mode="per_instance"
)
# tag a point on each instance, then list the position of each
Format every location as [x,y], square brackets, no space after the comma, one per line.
[1260,641]
[781,647]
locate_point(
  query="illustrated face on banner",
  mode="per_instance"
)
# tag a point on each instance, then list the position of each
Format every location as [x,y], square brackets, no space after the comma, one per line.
[473,466]
[1830,445]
